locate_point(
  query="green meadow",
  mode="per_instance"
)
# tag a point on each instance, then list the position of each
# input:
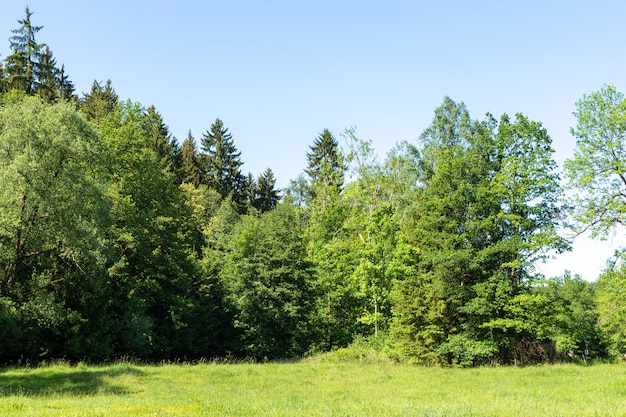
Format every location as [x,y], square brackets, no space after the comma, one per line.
[310,388]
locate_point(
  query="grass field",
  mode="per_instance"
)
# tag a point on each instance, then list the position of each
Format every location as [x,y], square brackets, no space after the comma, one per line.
[312,389]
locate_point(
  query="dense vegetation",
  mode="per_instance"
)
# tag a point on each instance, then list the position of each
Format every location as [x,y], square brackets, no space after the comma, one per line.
[117,241]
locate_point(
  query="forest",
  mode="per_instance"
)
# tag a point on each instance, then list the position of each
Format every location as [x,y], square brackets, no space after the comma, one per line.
[118,241]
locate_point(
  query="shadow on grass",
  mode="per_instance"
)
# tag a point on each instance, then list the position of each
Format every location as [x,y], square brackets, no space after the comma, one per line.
[67,381]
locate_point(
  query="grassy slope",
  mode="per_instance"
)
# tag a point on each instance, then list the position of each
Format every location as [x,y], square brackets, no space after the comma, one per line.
[312,389]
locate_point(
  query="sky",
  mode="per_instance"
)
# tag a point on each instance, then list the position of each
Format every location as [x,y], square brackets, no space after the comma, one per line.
[278,73]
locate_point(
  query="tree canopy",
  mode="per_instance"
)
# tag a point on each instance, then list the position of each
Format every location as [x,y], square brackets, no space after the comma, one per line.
[118,241]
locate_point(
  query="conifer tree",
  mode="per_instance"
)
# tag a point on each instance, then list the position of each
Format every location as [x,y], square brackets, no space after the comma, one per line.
[222,163]
[266,195]
[66,87]
[191,169]
[46,74]
[22,64]
[325,163]
[163,144]
[100,101]
[250,190]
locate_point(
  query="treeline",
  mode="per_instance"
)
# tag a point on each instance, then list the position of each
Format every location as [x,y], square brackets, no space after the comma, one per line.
[117,241]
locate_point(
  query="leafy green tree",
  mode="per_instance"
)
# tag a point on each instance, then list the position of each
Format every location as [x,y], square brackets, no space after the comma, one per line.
[570,317]
[597,171]
[610,292]
[54,215]
[268,280]
[222,163]
[298,191]
[486,210]
[154,238]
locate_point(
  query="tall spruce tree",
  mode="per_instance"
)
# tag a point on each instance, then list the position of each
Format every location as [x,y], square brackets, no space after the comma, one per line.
[32,68]
[100,101]
[325,164]
[22,64]
[163,144]
[222,163]
[266,195]
[191,167]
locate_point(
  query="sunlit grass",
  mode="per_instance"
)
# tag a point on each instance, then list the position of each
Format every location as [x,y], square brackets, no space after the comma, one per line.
[312,389]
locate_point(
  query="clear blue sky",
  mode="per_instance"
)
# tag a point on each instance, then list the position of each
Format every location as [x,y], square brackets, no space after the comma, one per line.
[279,72]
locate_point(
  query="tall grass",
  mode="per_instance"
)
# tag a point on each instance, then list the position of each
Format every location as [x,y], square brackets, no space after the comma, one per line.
[312,389]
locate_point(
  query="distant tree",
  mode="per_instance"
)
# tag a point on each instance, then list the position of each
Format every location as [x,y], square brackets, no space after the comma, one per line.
[266,196]
[249,190]
[298,191]
[32,68]
[22,64]
[191,167]
[163,144]
[610,292]
[222,163]
[47,76]
[325,167]
[569,316]
[100,101]
[155,239]
[66,87]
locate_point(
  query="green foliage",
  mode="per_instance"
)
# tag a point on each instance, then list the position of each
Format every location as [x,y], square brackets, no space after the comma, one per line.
[31,67]
[611,300]
[268,282]
[54,215]
[596,173]
[100,101]
[486,209]
[115,240]
[191,169]
[221,162]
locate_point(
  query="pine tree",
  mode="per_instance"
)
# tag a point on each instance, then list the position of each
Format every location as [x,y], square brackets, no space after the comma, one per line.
[65,86]
[266,196]
[222,163]
[325,163]
[100,101]
[249,190]
[22,64]
[191,170]
[163,144]
[47,76]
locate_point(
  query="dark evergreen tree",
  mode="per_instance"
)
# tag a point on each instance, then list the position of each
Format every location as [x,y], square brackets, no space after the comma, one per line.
[191,168]
[163,144]
[47,76]
[22,64]
[249,190]
[100,101]
[266,196]
[66,87]
[222,163]
[325,163]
